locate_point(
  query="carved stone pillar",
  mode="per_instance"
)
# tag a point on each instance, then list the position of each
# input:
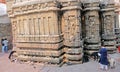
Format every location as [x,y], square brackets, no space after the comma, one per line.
[92,26]
[108,33]
[71,27]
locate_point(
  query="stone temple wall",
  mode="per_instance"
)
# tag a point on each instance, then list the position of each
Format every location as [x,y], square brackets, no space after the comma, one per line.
[59,31]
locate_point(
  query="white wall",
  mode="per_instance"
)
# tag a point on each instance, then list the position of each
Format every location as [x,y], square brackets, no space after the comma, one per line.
[4,19]
[3,9]
[119,20]
[116,1]
[3,14]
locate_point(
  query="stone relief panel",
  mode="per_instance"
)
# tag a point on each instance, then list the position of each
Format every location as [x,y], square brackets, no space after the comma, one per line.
[108,25]
[92,28]
[72,32]
[39,28]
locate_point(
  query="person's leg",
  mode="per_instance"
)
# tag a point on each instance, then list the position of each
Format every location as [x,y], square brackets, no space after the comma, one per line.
[101,66]
[106,67]
[3,49]
[6,48]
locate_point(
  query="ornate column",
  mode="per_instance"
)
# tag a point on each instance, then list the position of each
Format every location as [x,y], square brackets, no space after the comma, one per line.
[92,26]
[71,28]
[108,33]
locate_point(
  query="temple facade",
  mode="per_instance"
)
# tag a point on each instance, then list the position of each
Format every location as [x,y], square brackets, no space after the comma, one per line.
[59,31]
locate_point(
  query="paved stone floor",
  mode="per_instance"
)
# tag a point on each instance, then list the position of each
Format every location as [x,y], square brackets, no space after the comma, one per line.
[92,66]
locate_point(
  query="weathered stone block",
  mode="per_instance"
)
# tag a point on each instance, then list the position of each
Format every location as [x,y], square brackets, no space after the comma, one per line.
[93,47]
[74,57]
[109,43]
[74,50]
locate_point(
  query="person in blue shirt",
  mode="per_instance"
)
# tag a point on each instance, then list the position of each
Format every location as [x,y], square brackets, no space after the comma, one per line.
[103,58]
[5,42]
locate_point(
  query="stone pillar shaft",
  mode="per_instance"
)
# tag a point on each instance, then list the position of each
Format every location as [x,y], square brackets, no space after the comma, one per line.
[72,31]
[108,25]
[92,26]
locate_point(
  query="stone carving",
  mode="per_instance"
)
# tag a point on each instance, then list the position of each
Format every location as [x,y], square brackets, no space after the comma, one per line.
[108,27]
[92,24]
[108,34]
[51,30]
[72,31]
